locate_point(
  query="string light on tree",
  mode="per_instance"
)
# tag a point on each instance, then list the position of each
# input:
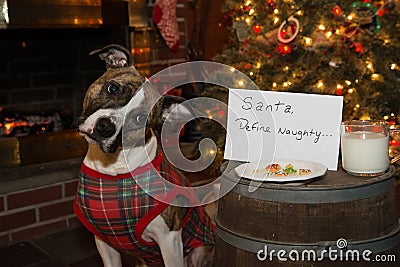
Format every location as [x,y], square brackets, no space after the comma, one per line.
[337,10]
[257,28]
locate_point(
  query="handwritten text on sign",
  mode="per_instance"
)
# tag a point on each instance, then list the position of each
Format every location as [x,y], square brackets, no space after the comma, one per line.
[265,125]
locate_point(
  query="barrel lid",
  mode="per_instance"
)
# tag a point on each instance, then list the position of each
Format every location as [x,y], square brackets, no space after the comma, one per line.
[334,186]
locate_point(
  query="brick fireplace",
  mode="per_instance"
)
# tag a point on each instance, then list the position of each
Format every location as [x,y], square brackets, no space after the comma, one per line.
[47,70]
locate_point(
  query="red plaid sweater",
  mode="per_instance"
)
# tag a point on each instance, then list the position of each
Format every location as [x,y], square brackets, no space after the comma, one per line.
[117,209]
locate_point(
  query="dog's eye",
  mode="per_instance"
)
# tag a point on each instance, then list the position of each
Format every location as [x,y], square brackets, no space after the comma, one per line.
[112,89]
[140,119]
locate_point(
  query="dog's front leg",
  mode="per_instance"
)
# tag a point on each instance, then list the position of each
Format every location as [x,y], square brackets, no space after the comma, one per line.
[110,257]
[170,242]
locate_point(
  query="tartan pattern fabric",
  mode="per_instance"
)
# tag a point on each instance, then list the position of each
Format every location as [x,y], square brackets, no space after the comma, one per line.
[117,209]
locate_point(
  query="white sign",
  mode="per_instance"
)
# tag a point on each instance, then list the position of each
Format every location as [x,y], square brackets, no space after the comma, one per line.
[268,125]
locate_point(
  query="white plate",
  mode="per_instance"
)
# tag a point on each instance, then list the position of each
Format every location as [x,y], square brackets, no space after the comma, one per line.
[256,170]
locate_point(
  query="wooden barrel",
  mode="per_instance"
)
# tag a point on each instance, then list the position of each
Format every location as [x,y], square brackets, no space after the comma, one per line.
[299,225]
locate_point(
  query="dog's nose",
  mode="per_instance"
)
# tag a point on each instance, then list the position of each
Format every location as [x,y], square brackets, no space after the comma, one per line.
[104,128]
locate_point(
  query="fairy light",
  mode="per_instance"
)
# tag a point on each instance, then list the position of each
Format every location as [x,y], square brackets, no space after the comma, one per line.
[247,21]
[251,73]
[307,41]
[337,32]
[369,65]
[339,86]
[365,117]
[276,20]
[300,12]
[357,106]
[322,27]
[286,68]
[376,77]
[287,84]
[276,11]
[274,84]
[232,69]
[241,83]
[347,82]
[248,3]
[320,84]
[393,66]
[251,12]
[337,10]
[350,17]
[386,117]
[258,65]
[350,91]
[329,34]
[357,81]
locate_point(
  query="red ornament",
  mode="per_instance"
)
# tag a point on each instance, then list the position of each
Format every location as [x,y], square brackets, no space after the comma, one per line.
[339,92]
[337,10]
[257,28]
[394,143]
[283,33]
[248,66]
[358,48]
[284,49]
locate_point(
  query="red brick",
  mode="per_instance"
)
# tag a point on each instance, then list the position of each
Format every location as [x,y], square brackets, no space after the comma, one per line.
[33,197]
[15,220]
[56,210]
[1,204]
[37,231]
[70,188]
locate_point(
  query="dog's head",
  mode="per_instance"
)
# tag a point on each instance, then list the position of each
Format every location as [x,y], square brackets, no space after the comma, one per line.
[105,106]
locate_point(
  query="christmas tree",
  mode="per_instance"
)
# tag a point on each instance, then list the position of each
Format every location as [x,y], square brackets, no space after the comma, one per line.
[345,48]
[318,46]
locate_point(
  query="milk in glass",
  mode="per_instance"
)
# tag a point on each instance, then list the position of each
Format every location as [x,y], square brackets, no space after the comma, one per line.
[365,152]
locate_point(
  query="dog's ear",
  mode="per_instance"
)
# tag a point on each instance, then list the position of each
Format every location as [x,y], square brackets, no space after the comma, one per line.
[115,56]
[172,109]
[169,103]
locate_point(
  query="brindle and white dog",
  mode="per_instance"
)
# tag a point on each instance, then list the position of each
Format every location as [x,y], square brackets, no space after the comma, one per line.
[106,202]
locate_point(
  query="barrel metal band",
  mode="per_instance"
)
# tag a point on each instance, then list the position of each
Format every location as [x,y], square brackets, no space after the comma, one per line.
[254,245]
[310,196]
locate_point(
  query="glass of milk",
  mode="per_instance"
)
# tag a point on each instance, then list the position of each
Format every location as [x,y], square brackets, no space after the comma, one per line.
[365,147]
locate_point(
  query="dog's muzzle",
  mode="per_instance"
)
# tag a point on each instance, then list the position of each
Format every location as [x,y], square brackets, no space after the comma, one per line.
[103,129]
